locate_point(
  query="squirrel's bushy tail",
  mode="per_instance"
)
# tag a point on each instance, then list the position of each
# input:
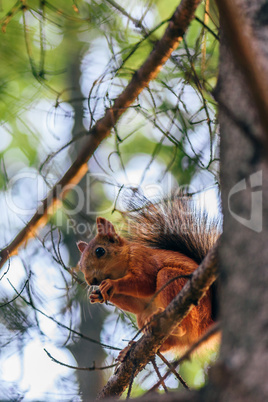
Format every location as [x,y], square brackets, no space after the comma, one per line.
[175,225]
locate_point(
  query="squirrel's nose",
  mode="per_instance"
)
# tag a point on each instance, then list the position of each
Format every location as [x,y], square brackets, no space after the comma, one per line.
[94,281]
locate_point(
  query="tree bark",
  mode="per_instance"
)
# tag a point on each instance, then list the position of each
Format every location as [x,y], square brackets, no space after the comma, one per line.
[240,374]
[85,352]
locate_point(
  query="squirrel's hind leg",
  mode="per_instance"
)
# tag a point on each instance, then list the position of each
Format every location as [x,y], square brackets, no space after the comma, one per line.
[199,318]
[181,334]
[168,284]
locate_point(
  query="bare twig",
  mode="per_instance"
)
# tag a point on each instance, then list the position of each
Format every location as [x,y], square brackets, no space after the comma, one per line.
[141,79]
[135,21]
[210,333]
[172,369]
[18,293]
[159,375]
[207,28]
[30,303]
[6,271]
[93,368]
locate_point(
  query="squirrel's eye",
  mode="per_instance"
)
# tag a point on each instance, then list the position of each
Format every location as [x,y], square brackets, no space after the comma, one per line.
[99,252]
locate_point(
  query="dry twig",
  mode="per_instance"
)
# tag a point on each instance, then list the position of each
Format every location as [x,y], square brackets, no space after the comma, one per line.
[210,333]
[93,368]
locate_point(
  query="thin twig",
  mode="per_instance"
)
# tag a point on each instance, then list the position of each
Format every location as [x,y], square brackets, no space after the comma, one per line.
[18,293]
[213,330]
[135,21]
[6,271]
[159,375]
[170,366]
[207,28]
[65,326]
[93,368]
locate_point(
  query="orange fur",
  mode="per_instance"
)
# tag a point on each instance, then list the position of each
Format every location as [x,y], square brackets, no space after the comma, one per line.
[129,274]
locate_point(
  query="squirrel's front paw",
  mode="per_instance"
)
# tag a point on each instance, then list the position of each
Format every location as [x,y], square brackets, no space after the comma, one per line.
[96,297]
[107,289]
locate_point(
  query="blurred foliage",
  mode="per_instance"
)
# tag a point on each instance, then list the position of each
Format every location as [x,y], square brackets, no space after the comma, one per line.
[169,133]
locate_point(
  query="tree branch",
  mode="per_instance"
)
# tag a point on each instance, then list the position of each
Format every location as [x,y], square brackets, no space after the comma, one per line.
[177,26]
[144,350]
[93,368]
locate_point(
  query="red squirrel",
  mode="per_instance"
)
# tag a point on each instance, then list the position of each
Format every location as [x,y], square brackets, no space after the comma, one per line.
[166,240]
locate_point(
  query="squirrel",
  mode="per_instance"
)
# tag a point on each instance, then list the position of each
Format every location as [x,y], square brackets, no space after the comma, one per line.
[165,240]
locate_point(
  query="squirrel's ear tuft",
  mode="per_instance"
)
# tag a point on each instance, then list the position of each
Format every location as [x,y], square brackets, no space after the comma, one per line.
[106,228]
[81,246]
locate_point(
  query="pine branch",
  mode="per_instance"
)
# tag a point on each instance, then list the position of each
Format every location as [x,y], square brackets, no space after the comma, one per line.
[177,26]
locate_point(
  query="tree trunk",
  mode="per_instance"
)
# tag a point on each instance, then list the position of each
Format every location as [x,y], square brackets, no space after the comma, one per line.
[85,353]
[241,374]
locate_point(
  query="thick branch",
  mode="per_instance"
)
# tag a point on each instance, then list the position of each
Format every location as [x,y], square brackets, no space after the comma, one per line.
[144,350]
[141,79]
